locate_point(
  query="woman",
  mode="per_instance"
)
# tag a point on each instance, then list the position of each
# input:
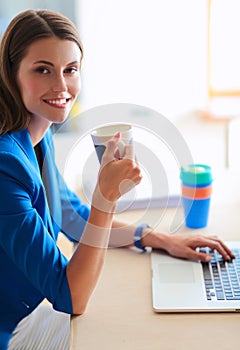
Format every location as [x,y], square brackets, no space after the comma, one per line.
[41,56]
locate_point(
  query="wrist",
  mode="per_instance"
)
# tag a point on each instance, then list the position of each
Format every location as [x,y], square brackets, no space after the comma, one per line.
[155,240]
[138,238]
[100,203]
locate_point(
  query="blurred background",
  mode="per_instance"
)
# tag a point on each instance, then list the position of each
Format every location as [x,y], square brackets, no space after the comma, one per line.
[177,57]
[146,52]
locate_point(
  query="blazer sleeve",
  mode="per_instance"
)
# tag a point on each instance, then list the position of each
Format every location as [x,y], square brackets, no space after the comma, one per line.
[25,236]
[74,213]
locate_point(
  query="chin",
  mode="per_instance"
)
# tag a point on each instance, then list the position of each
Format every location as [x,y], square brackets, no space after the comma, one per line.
[59,119]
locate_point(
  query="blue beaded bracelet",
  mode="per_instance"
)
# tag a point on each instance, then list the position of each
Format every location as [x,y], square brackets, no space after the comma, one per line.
[138,236]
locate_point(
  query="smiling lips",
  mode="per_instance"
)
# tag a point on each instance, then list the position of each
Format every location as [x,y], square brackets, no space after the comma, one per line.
[58,102]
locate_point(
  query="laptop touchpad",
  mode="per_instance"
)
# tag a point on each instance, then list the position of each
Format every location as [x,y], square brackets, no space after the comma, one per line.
[176,273]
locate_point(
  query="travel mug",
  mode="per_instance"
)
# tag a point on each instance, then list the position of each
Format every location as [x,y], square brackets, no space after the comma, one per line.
[196,194]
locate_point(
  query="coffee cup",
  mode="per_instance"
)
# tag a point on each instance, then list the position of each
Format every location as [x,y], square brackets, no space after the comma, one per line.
[102,135]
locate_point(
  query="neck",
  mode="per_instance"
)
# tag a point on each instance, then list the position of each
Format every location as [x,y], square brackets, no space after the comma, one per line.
[37,128]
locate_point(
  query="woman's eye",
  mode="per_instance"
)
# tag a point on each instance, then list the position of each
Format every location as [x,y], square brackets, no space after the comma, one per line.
[42,70]
[71,70]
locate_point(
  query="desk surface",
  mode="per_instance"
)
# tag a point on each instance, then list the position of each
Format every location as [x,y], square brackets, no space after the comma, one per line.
[120,314]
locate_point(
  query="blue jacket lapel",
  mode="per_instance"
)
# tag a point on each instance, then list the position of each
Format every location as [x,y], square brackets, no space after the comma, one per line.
[49,177]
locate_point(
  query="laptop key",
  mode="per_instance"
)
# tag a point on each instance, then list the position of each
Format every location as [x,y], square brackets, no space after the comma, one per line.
[220,296]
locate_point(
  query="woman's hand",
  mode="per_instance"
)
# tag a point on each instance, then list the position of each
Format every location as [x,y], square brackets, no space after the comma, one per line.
[116,176]
[184,245]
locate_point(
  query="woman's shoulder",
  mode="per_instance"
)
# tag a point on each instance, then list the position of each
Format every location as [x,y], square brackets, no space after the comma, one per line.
[17,155]
[14,141]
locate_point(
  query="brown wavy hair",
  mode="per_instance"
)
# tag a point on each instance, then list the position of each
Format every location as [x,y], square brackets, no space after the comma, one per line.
[27,27]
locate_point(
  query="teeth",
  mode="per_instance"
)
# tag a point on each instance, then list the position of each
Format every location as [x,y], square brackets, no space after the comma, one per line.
[58,102]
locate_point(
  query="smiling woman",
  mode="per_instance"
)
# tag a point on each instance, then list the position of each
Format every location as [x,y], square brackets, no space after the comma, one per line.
[49,82]
[40,60]
[19,35]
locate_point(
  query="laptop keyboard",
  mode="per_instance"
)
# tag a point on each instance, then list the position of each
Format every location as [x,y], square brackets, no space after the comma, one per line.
[222,277]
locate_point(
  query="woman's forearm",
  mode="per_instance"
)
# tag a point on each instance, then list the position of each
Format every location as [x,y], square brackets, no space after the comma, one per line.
[122,235]
[85,266]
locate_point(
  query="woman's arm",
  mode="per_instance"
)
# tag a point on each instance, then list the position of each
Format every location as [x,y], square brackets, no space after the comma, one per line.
[179,245]
[86,263]
[115,177]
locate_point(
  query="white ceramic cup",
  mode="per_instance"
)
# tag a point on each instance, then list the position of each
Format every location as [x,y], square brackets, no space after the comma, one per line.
[103,134]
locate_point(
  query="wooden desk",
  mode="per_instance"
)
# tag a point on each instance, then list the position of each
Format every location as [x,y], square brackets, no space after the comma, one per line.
[120,314]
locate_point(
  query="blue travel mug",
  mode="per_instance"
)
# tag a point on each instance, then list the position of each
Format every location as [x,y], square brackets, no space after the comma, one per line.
[196,194]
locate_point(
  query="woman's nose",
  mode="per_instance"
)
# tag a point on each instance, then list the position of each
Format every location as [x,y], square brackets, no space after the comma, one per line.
[59,84]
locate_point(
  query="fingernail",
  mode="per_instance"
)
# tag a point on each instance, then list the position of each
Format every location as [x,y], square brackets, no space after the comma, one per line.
[118,134]
[208,258]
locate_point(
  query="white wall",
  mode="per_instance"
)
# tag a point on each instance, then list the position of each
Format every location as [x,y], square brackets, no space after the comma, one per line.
[147,52]
[151,53]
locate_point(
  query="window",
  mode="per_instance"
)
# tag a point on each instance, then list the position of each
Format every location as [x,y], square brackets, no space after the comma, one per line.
[224,57]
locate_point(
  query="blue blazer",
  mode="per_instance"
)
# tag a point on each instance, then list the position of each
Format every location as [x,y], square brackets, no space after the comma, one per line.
[34,207]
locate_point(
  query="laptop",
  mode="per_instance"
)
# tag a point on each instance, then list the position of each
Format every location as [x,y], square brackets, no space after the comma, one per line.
[180,285]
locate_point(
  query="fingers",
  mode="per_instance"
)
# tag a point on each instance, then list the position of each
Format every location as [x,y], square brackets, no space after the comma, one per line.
[213,243]
[192,254]
[129,152]
[116,149]
[223,245]
[110,150]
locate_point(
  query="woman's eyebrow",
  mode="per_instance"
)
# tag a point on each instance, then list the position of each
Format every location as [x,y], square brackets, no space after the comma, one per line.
[51,64]
[44,62]
[74,62]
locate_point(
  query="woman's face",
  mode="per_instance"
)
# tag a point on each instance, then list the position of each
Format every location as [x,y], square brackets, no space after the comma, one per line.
[49,78]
